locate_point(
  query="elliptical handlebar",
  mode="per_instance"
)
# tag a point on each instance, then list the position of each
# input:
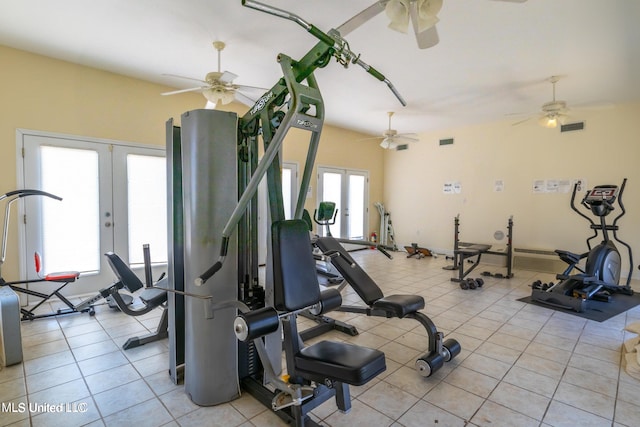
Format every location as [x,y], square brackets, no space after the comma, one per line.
[573,204]
[622,209]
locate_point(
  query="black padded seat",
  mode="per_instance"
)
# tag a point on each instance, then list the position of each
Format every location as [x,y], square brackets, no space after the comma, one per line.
[473,249]
[155,297]
[338,361]
[365,287]
[400,305]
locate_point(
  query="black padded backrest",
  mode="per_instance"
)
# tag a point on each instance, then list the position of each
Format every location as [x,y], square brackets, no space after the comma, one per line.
[124,274]
[294,269]
[359,280]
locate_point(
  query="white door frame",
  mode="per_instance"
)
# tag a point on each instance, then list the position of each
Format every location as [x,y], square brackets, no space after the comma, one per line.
[21,134]
[345,172]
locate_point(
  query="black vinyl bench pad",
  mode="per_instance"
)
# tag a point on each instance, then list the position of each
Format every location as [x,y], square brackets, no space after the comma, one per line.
[338,361]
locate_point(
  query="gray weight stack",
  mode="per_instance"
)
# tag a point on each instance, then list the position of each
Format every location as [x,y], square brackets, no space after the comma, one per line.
[209,187]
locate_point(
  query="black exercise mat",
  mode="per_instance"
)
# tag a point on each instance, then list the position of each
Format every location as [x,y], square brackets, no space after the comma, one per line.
[597,310]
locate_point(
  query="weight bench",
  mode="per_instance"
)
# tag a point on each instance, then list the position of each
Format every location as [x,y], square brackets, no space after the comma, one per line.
[151,298]
[400,306]
[317,372]
[466,253]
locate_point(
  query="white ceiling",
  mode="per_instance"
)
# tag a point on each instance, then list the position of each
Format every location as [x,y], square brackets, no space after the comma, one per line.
[492,59]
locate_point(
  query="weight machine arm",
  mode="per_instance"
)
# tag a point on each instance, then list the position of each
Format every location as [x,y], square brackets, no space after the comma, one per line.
[338,46]
[261,115]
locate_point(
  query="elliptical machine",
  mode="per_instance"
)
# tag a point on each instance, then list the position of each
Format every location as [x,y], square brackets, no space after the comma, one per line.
[601,274]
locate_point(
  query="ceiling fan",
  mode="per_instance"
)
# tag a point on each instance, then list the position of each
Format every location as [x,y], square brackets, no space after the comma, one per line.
[552,112]
[423,15]
[391,139]
[218,87]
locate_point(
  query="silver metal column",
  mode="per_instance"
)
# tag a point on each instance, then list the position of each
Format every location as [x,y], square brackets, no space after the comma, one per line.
[209,185]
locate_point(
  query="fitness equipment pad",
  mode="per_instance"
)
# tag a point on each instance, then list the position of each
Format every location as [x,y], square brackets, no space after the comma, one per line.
[597,310]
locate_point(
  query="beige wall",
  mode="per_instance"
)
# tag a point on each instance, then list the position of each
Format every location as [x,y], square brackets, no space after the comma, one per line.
[607,151]
[43,94]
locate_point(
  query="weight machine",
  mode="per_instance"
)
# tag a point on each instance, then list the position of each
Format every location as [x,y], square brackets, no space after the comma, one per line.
[214,175]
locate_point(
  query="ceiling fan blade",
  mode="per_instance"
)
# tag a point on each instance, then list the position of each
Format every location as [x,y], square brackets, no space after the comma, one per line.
[409,137]
[427,38]
[362,17]
[371,138]
[521,121]
[193,89]
[241,97]
[227,77]
[185,78]
[247,88]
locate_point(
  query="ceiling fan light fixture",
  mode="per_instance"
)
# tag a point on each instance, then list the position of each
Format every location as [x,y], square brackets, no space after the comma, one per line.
[388,144]
[218,95]
[428,13]
[398,13]
[549,121]
[423,12]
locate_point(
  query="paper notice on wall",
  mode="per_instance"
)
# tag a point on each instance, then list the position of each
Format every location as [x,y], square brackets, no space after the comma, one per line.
[552,186]
[498,186]
[549,186]
[539,186]
[452,187]
[447,188]
[565,186]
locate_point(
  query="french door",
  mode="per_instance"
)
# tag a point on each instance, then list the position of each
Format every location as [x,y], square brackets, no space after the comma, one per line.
[349,190]
[113,199]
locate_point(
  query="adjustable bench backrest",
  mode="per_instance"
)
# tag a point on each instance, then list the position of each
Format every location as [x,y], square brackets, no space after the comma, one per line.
[295,281]
[124,274]
[359,280]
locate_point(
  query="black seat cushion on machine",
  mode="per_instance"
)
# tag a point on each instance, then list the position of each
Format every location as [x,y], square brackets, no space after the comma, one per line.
[363,284]
[473,249]
[155,296]
[400,305]
[338,361]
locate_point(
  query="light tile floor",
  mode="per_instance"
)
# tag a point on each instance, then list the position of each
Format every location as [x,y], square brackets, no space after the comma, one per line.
[520,365]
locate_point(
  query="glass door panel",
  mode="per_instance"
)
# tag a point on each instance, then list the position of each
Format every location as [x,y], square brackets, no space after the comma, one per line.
[357,205]
[348,189]
[147,208]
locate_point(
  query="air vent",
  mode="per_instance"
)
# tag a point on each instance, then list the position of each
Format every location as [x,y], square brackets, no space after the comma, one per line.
[570,127]
[402,147]
[448,141]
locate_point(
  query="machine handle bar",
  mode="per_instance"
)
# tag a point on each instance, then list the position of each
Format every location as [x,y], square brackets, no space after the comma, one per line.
[622,209]
[573,204]
[341,48]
